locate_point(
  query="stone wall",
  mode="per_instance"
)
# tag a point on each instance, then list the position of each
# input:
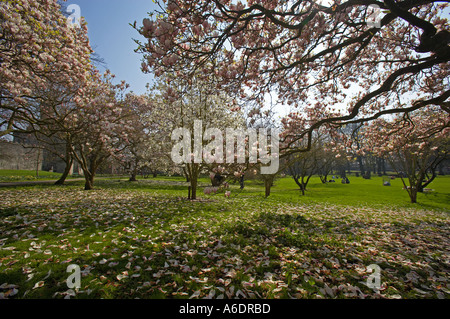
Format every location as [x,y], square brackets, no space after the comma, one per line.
[14,156]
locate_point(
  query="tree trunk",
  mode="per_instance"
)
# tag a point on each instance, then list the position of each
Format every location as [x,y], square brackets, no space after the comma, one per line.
[267,188]
[302,189]
[134,171]
[38,160]
[268,183]
[192,171]
[89,179]
[361,165]
[193,188]
[133,176]
[424,184]
[413,195]
[412,190]
[380,166]
[323,179]
[89,182]
[300,184]
[186,174]
[66,172]
[241,182]
[297,180]
[305,183]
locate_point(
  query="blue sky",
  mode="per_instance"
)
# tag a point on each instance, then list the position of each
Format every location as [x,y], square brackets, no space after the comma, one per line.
[111,36]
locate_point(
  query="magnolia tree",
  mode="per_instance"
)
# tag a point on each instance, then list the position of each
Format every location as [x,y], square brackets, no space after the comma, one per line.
[137,138]
[325,159]
[194,117]
[414,146]
[319,160]
[366,55]
[367,161]
[90,128]
[148,141]
[323,154]
[99,128]
[44,63]
[45,66]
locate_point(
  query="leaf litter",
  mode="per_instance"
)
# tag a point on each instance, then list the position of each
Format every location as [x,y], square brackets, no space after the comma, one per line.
[141,245]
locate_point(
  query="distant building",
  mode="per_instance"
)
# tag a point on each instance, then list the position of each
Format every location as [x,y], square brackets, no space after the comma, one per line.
[24,153]
[15,156]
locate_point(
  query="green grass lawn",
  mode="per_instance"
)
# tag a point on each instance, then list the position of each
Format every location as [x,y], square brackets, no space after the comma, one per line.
[24,176]
[360,192]
[365,192]
[21,175]
[145,240]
